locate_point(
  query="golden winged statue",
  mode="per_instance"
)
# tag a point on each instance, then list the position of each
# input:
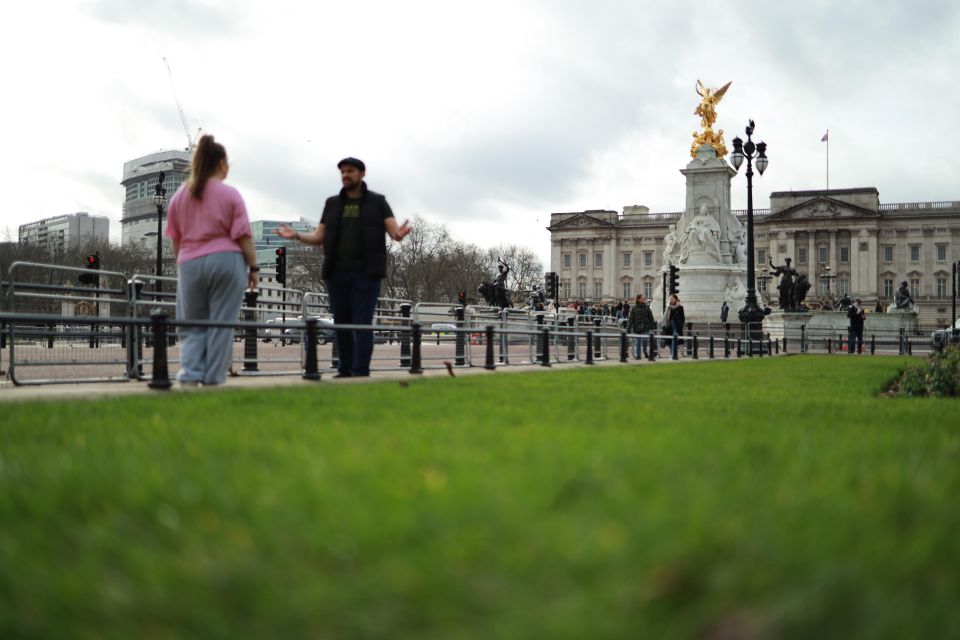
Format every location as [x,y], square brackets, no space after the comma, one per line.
[707,110]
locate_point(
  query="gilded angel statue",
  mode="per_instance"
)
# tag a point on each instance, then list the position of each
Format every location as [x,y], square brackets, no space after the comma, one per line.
[708,115]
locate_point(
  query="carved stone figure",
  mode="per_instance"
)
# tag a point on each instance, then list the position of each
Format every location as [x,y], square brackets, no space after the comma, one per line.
[902,298]
[702,234]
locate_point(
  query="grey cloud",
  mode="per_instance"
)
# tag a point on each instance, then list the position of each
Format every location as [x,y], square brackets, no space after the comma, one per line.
[182,17]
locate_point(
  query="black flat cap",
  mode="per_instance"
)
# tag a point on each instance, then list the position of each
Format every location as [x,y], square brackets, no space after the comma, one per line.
[353,162]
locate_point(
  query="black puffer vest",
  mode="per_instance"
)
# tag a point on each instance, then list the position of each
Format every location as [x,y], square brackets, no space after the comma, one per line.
[372,206]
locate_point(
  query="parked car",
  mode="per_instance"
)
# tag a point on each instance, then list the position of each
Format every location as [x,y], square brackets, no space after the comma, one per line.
[942,337]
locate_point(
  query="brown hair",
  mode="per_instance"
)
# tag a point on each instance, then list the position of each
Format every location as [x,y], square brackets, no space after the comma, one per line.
[639,295]
[206,159]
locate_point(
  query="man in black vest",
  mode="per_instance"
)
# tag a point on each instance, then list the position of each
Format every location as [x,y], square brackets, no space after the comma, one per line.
[351,231]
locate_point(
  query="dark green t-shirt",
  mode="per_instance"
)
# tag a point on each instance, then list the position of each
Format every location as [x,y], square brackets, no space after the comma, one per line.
[350,242]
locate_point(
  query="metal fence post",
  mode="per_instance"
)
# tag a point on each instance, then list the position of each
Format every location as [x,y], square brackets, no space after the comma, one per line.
[803,338]
[250,333]
[489,364]
[51,331]
[688,346]
[161,377]
[673,347]
[653,347]
[460,358]
[571,340]
[404,335]
[623,345]
[589,347]
[310,369]
[711,348]
[537,354]
[415,358]
[901,349]
[696,347]
[726,345]
[873,344]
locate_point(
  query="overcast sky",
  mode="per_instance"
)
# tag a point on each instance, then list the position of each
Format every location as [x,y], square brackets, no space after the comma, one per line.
[485,117]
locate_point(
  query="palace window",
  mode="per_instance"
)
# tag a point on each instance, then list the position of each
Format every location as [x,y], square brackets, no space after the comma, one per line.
[801,255]
[648,290]
[887,288]
[844,255]
[626,260]
[822,254]
[915,286]
[888,253]
[582,260]
[598,289]
[597,260]
[761,256]
[914,253]
[567,261]
[626,290]
[941,253]
[582,289]
[648,258]
[566,289]
[941,287]
[843,286]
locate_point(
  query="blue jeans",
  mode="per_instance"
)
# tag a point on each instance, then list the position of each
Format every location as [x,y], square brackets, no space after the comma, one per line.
[855,336]
[640,345]
[353,300]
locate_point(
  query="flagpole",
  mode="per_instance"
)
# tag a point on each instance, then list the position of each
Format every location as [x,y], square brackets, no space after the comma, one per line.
[828,159]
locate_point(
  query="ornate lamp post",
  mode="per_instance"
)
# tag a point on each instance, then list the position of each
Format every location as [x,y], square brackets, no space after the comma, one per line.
[826,277]
[160,199]
[751,315]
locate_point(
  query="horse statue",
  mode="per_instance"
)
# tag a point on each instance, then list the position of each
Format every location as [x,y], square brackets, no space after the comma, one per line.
[494,296]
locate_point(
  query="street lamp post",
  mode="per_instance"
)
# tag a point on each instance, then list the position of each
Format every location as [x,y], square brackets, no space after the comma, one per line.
[160,199]
[751,315]
[826,277]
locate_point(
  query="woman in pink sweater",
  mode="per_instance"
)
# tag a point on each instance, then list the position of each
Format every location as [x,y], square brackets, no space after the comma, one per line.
[211,235]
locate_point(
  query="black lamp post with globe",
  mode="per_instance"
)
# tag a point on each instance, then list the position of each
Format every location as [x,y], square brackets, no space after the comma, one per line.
[160,199]
[751,315]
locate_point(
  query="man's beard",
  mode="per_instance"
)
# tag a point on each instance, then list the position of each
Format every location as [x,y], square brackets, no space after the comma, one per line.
[350,184]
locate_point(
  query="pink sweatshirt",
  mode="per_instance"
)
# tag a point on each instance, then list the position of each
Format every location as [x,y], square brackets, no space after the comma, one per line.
[212,224]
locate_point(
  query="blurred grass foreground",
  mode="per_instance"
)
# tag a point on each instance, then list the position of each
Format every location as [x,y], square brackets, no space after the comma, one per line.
[776,497]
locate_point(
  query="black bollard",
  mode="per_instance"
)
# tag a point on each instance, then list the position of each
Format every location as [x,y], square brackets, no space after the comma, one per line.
[310,369]
[696,347]
[803,338]
[571,340]
[726,346]
[830,345]
[673,348]
[536,344]
[415,356]
[688,346]
[873,344]
[51,331]
[161,377]
[460,358]
[589,347]
[711,348]
[597,354]
[545,349]
[623,346]
[489,365]
[404,335]
[652,347]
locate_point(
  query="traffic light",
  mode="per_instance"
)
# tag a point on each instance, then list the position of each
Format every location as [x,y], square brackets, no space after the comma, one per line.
[282,265]
[92,262]
[552,282]
[674,280]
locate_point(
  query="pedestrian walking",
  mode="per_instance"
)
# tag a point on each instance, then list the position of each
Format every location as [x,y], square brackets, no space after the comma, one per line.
[641,322]
[208,224]
[352,232]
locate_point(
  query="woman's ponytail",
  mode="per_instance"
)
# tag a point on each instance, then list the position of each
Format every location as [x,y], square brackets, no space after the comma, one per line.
[206,159]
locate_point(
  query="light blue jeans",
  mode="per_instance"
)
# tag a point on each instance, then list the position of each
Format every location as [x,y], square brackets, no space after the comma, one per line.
[209,288]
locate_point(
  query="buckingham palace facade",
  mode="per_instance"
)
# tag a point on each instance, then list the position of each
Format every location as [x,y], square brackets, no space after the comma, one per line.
[844,240]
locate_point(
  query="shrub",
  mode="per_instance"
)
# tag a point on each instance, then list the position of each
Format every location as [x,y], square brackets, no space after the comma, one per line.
[938,376]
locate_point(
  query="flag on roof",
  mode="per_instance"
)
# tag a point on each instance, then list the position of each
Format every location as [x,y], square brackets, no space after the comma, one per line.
[826,136]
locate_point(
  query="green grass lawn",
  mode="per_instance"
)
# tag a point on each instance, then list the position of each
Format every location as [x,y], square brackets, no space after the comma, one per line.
[779,496]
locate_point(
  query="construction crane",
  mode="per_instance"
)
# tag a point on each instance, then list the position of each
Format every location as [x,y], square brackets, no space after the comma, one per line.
[191,142]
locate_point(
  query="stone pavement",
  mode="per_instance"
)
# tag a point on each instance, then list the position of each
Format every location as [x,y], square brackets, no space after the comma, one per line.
[11,393]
